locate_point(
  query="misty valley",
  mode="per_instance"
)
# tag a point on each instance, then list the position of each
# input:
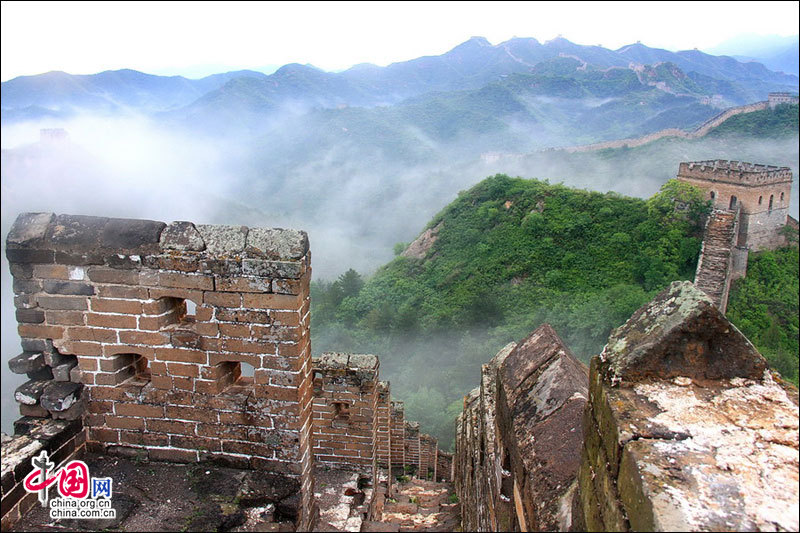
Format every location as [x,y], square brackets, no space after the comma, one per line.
[445,220]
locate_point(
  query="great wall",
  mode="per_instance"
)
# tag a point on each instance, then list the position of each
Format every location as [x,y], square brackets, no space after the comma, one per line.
[774,99]
[136,335]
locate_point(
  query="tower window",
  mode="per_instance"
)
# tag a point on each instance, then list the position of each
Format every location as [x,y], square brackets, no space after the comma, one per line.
[713,195]
[760,198]
[771,197]
[781,198]
[733,202]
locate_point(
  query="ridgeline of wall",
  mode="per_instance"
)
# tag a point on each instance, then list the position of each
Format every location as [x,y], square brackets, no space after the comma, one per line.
[701,131]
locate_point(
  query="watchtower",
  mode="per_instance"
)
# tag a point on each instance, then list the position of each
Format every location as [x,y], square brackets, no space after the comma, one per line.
[760,192]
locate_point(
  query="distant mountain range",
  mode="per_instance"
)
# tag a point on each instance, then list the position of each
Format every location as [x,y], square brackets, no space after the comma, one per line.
[775,52]
[517,95]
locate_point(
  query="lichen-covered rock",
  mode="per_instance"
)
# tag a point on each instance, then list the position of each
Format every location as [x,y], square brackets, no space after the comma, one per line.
[222,239]
[680,333]
[182,236]
[277,243]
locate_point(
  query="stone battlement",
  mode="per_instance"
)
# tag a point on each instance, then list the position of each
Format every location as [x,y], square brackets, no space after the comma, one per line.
[737,172]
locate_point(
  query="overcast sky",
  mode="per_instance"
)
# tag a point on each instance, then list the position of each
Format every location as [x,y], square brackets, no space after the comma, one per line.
[199,38]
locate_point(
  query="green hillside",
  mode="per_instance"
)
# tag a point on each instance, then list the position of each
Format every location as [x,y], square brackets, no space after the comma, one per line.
[510,254]
[764,306]
[770,123]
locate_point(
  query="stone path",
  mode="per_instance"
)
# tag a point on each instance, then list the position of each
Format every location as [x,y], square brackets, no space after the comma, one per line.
[418,505]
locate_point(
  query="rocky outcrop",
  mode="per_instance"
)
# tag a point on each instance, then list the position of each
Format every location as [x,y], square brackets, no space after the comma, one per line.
[422,244]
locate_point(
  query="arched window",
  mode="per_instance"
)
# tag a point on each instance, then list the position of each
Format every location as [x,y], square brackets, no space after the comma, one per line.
[733,202]
[760,198]
[781,198]
[771,197]
[713,195]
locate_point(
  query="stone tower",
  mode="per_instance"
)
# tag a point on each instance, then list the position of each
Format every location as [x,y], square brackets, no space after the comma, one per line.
[760,192]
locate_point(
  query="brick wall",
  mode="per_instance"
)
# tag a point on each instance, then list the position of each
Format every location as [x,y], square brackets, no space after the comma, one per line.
[412,447]
[114,295]
[345,404]
[384,425]
[398,439]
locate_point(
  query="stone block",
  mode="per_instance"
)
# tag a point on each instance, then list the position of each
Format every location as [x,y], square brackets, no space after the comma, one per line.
[29,228]
[680,333]
[60,396]
[63,371]
[182,236]
[36,411]
[277,243]
[68,287]
[222,239]
[44,373]
[26,362]
[131,234]
[30,392]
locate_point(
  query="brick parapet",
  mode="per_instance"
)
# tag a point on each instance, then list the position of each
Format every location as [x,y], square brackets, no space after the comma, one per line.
[345,406]
[115,293]
[412,447]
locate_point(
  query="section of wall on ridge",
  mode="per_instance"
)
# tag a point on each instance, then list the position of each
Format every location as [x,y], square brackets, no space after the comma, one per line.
[161,319]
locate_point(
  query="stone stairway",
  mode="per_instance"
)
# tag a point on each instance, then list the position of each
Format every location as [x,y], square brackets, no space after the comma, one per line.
[418,505]
[715,258]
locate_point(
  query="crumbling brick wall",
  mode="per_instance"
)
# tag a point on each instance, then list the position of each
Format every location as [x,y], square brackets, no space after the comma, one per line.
[345,405]
[113,295]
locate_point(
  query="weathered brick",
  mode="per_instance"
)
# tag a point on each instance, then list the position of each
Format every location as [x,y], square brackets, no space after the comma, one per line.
[65,318]
[173,456]
[122,291]
[155,323]
[143,439]
[111,321]
[195,443]
[187,294]
[51,271]
[112,275]
[273,333]
[242,284]
[121,422]
[162,382]
[285,318]
[235,330]
[91,334]
[40,330]
[245,316]
[276,393]
[181,356]
[66,303]
[21,270]
[68,287]
[186,281]
[30,316]
[178,369]
[102,305]
[190,413]
[222,299]
[246,346]
[103,435]
[270,301]
[143,337]
[140,410]
[83,348]
[171,426]
[87,364]
[24,255]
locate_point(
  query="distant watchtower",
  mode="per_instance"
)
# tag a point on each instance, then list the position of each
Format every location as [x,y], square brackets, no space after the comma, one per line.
[761,192]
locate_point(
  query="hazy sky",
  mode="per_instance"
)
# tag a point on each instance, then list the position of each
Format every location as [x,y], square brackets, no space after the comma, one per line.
[199,38]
